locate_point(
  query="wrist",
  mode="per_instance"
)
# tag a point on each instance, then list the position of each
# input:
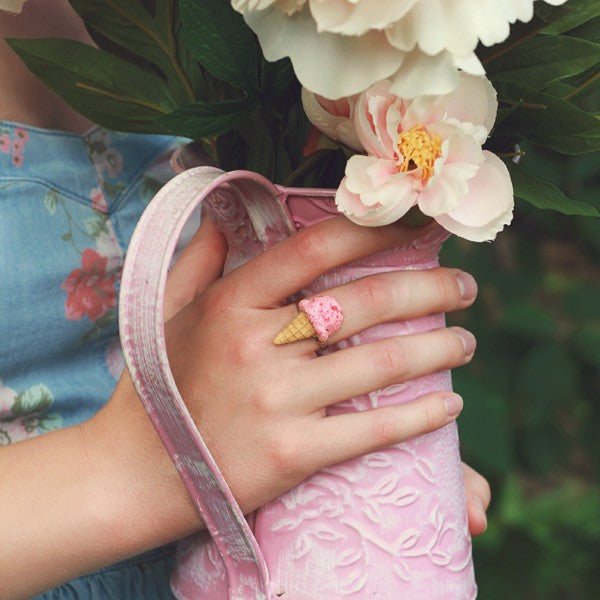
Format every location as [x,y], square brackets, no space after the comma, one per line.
[147,504]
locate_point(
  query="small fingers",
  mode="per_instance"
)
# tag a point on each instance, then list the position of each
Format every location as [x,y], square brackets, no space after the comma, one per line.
[199,265]
[301,258]
[394,296]
[478,495]
[341,437]
[361,369]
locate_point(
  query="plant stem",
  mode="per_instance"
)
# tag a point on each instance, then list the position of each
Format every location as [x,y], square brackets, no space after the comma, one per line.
[130,99]
[510,154]
[510,46]
[306,166]
[583,85]
[529,105]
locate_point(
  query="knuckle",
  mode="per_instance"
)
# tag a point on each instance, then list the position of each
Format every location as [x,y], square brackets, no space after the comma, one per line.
[283,452]
[453,351]
[216,300]
[384,429]
[374,293]
[265,404]
[434,416]
[310,247]
[445,287]
[390,360]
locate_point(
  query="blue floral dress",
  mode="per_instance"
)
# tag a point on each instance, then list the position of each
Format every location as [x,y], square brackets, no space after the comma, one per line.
[68,207]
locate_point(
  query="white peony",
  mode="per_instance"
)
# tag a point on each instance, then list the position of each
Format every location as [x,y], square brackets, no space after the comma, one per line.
[341,47]
[12,6]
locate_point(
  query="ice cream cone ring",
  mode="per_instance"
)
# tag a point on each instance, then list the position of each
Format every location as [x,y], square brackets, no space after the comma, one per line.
[318,317]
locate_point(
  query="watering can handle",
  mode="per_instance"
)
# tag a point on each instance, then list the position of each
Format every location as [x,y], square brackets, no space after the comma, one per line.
[143,340]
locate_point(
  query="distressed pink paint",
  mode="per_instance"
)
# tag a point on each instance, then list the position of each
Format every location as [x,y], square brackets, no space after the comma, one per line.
[390,525]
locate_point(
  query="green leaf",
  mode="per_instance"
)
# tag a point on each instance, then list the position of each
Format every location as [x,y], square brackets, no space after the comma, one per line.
[204,119]
[66,236]
[572,15]
[103,87]
[221,42]
[548,121]
[545,59]
[36,399]
[588,31]
[262,155]
[545,195]
[276,77]
[153,37]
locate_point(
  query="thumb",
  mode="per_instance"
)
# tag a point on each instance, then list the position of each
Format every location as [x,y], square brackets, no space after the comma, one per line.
[198,266]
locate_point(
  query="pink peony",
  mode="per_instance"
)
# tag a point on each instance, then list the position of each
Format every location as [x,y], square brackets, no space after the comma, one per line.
[90,289]
[427,153]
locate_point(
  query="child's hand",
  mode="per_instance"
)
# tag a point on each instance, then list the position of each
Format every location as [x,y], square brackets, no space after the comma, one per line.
[261,408]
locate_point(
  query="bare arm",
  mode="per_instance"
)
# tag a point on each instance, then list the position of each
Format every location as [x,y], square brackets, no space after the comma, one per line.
[84,497]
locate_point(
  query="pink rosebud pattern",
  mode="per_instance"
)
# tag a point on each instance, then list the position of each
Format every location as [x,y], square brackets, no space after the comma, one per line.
[91,290]
[14,145]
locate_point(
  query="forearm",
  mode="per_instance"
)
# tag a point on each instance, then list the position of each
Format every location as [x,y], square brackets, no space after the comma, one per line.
[83,497]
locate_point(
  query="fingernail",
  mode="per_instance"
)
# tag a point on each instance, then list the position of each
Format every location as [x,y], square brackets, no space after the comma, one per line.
[468,340]
[453,404]
[466,285]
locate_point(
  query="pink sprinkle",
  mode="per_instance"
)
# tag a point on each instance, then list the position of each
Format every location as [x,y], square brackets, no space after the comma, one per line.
[324,313]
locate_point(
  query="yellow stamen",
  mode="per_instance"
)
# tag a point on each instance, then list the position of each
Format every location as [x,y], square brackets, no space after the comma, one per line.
[418,149]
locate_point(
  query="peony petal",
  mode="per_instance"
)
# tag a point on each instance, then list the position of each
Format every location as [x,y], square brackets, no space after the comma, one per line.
[476,234]
[420,74]
[461,148]
[370,120]
[469,64]
[424,110]
[326,63]
[357,176]
[449,189]
[336,127]
[474,101]
[401,201]
[356,18]
[488,205]
[368,177]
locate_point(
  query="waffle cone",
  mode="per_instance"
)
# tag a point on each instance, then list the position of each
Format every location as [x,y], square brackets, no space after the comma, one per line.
[299,329]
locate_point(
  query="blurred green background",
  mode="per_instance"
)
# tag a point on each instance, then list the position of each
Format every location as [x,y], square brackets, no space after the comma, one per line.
[531,422]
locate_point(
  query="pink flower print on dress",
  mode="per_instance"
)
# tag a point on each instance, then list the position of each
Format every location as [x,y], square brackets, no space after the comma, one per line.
[5,143]
[90,289]
[17,146]
[98,200]
[11,429]
[22,134]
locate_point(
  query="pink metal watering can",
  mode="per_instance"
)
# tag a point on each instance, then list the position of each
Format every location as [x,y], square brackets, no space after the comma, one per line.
[390,525]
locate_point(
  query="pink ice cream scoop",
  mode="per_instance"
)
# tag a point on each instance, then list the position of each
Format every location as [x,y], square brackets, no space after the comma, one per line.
[319,317]
[325,315]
